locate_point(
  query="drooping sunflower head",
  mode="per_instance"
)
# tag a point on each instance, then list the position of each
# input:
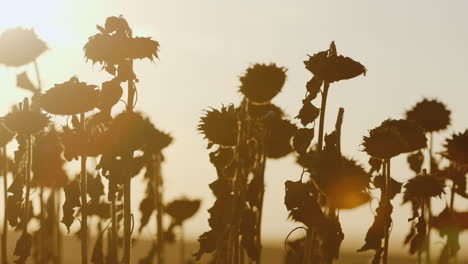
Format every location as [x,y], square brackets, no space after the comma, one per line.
[25,121]
[343,180]
[157,139]
[410,132]
[70,98]
[431,115]
[115,44]
[456,148]
[20,46]
[278,137]
[220,126]
[330,67]
[384,142]
[182,209]
[262,82]
[423,187]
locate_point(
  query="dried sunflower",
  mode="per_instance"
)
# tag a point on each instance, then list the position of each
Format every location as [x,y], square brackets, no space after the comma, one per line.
[20,46]
[344,181]
[423,187]
[431,115]
[182,209]
[220,126]
[262,82]
[394,137]
[330,67]
[410,132]
[456,148]
[384,142]
[70,98]
[23,120]
[115,44]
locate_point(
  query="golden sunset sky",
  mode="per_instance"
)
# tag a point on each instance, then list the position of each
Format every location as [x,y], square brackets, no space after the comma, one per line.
[412,49]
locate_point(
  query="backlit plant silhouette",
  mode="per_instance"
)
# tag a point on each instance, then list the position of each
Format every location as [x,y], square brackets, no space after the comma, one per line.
[73,98]
[449,222]
[244,138]
[115,48]
[19,47]
[433,117]
[390,139]
[329,171]
[25,122]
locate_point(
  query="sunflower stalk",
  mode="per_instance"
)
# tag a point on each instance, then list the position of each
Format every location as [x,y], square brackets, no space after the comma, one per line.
[127,177]
[5,211]
[386,198]
[159,204]
[84,200]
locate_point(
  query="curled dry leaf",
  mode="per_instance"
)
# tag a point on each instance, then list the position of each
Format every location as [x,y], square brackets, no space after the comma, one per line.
[308,113]
[302,139]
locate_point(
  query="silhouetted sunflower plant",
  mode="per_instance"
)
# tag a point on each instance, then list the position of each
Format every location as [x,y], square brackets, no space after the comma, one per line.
[450,223]
[243,138]
[115,49]
[335,182]
[5,137]
[20,47]
[433,117]
[390,139]
[73,98]
[25,123]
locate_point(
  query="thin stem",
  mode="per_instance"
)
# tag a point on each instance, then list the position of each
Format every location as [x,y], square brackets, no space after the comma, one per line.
[158,201]
[57,202]
[38,77]
[84,201]
[386,204]
[113,236]
[42,246]
[28,184]
[261,174]
[5,212]
[182,244]
[127,179]
[429,211]
[322,115]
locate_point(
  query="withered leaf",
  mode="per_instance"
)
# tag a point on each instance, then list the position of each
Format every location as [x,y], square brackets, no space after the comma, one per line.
[23,248]
[23,81]
[302,139]
[308,113]
[72,200]
[313,87]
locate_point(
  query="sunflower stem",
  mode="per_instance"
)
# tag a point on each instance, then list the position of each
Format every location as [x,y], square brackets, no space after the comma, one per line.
[57,202]
[5,211]
[386,204]
[38,77]
[41,246]
[429,211]
[182,244]
[27,183]
[113,237]
[128,178]
[84,202]
[158,202]
[322,115]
